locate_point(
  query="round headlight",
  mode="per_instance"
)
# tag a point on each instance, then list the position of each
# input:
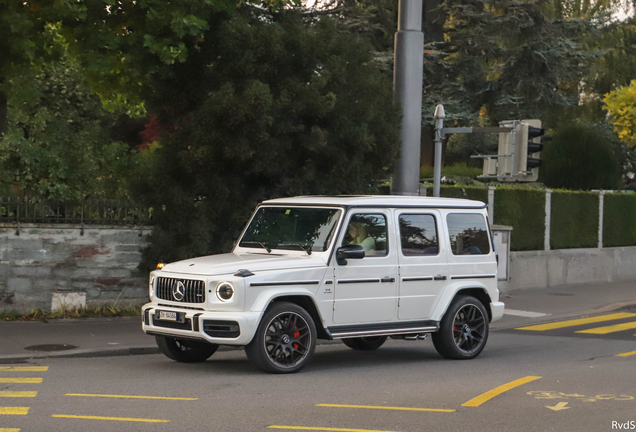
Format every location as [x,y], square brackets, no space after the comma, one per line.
[225,291]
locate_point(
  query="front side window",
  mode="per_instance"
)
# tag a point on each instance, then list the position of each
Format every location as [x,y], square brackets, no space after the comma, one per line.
[468,234]
[292,228]
[418,235]
[369,231]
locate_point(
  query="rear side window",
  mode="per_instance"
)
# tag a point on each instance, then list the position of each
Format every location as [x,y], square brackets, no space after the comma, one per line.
[468,234]
[418,235]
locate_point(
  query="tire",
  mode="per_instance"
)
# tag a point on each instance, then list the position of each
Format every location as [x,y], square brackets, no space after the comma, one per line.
[185,350]
[463,330]
[365,343]
[284,341]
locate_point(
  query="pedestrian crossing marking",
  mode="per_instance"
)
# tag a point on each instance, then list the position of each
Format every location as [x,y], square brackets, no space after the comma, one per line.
[18,394]
[609,329]
[20,380]
[24,368]
[14,410]
[578,322]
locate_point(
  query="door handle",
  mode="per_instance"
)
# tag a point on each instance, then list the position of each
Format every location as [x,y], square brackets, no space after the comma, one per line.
[439,277]
[388,279]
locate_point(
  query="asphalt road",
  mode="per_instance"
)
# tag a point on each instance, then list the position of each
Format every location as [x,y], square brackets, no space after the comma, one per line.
[525,380]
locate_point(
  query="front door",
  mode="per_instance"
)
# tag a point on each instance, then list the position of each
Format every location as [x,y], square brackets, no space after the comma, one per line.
[366,289]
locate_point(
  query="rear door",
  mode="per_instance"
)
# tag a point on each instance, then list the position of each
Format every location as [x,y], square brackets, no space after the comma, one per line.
[423,264]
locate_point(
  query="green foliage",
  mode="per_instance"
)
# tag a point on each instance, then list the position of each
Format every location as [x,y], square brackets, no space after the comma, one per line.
[524,211]
[578,157]
[459,170]
[621,105]
[466,192]
[573,220]
[264,110]
[619,228]
[57,145]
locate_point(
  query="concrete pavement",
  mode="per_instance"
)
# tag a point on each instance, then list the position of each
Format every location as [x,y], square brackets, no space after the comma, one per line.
[95,337]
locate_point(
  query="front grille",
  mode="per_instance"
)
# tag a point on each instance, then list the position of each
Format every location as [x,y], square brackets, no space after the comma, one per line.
[194,290]
[187,325]
[221,329]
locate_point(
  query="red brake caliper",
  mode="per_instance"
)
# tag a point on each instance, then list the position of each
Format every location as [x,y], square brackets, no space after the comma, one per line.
[296,334]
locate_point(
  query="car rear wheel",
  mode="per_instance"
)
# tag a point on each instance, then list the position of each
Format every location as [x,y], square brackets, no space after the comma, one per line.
[463,330]
[185,350]
[285,340]
[365,343]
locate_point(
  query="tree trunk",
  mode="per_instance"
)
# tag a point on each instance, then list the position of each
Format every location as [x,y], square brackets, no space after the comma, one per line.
[3,111]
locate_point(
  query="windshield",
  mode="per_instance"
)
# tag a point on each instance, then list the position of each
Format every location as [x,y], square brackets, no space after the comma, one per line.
[293,228]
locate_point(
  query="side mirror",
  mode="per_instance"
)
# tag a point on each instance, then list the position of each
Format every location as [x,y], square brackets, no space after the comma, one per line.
[350,251]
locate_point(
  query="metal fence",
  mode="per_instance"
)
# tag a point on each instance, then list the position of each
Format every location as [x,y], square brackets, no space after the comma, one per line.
[89,212]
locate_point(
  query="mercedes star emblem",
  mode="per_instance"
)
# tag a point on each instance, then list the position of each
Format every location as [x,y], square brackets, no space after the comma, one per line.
[178,291]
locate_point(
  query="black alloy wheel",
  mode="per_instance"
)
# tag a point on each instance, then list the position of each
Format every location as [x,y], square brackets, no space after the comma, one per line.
[185,350]
[285,339]
[463,330]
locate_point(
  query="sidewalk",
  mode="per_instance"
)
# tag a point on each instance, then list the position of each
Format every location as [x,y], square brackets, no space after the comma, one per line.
[96,337]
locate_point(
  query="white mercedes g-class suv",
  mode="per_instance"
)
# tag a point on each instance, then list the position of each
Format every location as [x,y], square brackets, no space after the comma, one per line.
[355,268]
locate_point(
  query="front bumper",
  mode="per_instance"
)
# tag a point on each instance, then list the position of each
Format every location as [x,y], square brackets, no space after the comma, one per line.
[497,310]
[223,328]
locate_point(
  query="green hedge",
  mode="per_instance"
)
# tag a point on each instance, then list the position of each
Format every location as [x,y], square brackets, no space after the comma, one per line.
[619,220]
[524,211]
[466,192]
[573,220]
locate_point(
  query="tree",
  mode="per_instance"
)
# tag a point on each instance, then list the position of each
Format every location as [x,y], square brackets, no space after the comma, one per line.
[579,157]
[266,108]
[57,143]
[621,105]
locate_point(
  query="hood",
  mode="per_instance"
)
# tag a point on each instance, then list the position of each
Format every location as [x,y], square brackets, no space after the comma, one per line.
[231,263]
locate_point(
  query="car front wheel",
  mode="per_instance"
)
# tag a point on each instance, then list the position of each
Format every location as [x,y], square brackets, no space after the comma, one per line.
[185,350]
[463,330]
[285,339]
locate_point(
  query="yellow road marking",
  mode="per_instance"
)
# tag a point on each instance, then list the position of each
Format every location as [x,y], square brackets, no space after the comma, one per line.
[609,329]
[24,368]
[323,429]
[20,380]
[110,418]
[130,397]
[14,410]
[386,408]
[9,430]
[18,394]
[577,322]
[475,402]
[627,354]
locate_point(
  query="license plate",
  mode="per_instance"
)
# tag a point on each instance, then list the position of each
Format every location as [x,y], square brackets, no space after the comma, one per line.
[168,316]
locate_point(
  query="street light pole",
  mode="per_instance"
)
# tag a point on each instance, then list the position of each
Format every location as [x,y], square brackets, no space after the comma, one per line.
[439,117]
[407,85]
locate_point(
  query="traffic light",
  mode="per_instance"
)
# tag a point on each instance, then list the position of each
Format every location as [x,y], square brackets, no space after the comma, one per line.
[527,150]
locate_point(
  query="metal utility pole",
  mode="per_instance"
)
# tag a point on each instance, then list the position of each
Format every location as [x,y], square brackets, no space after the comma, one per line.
[407,85]
[439,116]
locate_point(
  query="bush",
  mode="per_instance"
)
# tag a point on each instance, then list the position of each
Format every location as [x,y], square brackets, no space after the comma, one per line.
[459,170]
[467,192]
[619,228]
[578,157]
[573,220]
[524,210]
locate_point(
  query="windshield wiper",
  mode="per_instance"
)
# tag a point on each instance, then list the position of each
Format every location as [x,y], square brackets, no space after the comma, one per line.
[267,248]
[307,250]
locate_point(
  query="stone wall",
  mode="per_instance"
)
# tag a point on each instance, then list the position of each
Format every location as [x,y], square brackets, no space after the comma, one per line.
[41,266]
[546,269]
